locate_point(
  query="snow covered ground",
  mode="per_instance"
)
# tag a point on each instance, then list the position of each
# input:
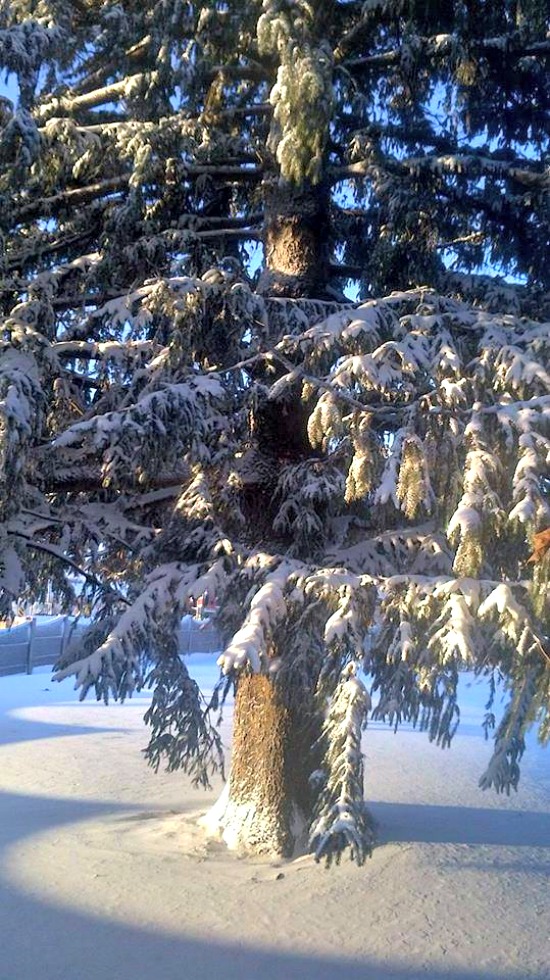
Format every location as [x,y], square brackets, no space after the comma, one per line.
[104,875]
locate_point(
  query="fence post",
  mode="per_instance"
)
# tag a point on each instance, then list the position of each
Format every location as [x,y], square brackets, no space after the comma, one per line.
[32,628]
[64,636]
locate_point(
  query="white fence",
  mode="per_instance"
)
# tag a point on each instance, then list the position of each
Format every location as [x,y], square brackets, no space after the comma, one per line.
[41,640]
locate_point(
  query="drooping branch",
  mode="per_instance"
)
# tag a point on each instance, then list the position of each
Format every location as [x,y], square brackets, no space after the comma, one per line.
[61,556]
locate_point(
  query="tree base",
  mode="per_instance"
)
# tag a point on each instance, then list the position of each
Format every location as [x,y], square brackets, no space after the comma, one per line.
[258,811]
[247,828]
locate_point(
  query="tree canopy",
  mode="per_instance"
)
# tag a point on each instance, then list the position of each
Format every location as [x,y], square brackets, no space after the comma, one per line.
[274,299]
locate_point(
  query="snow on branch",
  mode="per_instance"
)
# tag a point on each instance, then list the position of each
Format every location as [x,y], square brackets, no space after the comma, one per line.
[340,819]
[183,733]
[116,667]
[21,406]
[24,47]
[132,438]
[250,644]
[476,165]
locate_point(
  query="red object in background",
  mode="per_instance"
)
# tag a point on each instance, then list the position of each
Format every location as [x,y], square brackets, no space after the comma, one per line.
[541,544]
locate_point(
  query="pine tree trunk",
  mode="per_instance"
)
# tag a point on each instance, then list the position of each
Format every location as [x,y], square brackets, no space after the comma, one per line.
[296,241]
[265,804]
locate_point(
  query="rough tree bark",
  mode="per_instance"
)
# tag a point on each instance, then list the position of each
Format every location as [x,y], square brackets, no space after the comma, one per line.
[267,801]
[295,240]
[264,807]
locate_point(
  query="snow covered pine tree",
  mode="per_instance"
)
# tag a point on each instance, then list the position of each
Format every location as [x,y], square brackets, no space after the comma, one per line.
[359,482]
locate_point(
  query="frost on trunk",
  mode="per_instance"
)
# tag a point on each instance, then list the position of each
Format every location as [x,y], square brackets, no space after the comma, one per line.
[264,805]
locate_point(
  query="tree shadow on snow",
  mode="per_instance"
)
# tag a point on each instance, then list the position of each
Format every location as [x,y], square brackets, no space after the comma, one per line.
[14,729]
[45,941]
[429,824]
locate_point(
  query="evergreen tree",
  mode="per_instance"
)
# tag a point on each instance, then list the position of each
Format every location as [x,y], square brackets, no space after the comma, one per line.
[359,482]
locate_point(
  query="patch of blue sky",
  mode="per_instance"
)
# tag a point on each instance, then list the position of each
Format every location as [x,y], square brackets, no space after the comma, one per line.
[9,88]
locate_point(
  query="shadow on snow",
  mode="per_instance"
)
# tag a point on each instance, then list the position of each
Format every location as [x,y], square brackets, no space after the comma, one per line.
[33,929]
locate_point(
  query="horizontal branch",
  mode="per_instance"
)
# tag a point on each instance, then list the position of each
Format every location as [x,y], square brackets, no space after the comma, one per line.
[92,80]
[345,271]
[88,479]
[132,84]
[474,238]
[229,112]
[197,221]
[469,164]
[65,302]
[386,411]
[37,249]
[152,497]
[247,233]
[82,380]
[253,71]
[480,165]
[107,93]
[441,45]
[77,195]
[92,350]
[83,195]
[533,302]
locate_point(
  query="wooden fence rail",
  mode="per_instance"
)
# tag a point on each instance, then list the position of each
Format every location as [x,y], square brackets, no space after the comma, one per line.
[41,640]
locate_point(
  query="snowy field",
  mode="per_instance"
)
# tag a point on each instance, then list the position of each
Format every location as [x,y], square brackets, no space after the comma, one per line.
[104,875]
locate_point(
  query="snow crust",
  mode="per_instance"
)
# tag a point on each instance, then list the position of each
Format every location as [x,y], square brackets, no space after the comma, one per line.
[106,873]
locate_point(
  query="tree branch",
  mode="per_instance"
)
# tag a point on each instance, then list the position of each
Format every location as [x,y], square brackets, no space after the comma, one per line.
[90,481]
[91,81]
[16,259]
[107,93]
[440,46]
[471,164]
[256,109]
[77,195]
[95,350]
[82,195]
[123,88]
[52,550]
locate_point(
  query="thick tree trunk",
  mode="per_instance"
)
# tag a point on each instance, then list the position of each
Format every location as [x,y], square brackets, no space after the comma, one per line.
[265,804]
[267,801]
[296,241]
